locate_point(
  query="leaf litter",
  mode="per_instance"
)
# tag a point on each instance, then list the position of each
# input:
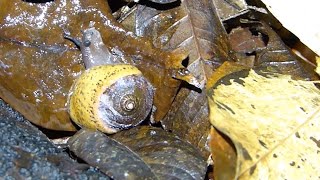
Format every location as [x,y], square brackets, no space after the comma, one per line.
[273,123]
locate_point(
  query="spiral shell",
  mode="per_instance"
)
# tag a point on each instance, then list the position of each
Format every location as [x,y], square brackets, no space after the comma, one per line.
[110,98]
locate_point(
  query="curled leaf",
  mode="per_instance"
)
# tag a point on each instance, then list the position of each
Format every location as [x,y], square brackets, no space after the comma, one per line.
[279,58]
[223,155]
[111,157]
[168,156]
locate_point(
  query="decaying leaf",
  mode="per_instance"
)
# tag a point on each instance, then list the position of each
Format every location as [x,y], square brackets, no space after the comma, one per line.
[318,65]
[223,154]
[257,45]
[225,69]
[242,40]
[167,155]
[189,119]
[273,122]
[228,9]
[111,157]
[246,44]
[192,26]
[141,152]
[279,57]
[38,65]
[222,150]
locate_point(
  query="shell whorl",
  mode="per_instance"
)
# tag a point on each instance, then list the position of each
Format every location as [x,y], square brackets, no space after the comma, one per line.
[126,102]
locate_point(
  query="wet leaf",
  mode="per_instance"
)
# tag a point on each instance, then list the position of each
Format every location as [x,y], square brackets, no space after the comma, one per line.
[111,157]
[272,121]
[223,154]
[246,43]
[225,69]
[36,81]
[277,56]
[222,149]
[167,155]
[242,40]
[39,65]
[189,119]
[228,9]
[194,27]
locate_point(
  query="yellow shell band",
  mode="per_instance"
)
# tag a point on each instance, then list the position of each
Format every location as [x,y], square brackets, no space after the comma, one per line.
[87,89]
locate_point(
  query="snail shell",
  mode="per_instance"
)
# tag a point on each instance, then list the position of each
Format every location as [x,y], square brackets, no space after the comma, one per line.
[110,98]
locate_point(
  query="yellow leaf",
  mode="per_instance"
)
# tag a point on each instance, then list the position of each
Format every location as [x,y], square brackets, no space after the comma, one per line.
[273,122]
[318,65]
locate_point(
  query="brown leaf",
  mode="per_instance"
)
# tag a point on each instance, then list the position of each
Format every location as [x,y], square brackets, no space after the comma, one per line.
[36,80]
[40,65]
[223,154]
[258,45]
[279,57]
[228,9]
[242,40]
[109,156]
[188,118]
[168,156]
[194,27]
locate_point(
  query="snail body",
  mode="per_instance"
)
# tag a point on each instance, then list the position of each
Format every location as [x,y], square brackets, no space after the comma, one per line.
[109,96]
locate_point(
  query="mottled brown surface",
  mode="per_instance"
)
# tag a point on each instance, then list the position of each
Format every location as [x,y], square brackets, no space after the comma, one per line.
[111,157]
[38,65]
[168,156]
[228,9]
[194,27]
[223,154]
[279,58]
[242,40]
[36,82]
[221,147]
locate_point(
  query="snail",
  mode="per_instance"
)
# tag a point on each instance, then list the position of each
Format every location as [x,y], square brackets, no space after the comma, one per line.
[110,95]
